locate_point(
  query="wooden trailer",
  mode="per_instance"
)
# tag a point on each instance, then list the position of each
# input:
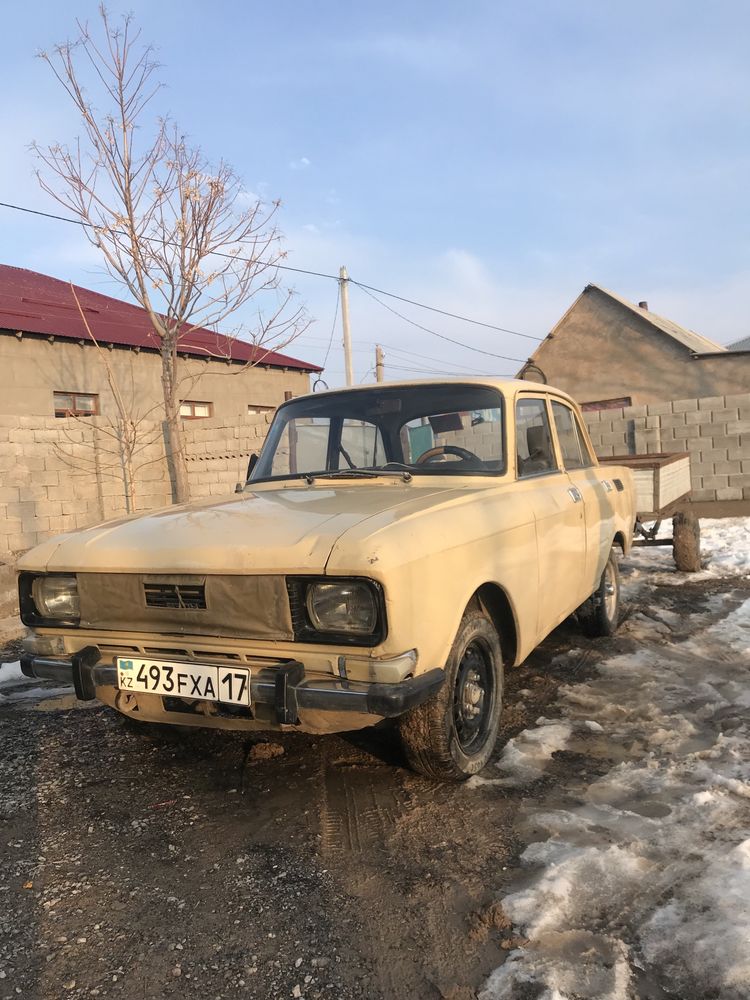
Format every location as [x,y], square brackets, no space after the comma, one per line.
[662,485]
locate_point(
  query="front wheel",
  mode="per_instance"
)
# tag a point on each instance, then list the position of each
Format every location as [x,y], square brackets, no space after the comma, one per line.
[451,737]
[600,614]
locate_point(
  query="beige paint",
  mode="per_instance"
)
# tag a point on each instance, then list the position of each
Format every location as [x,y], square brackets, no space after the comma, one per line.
[34,367]
[600,349]
[431,543]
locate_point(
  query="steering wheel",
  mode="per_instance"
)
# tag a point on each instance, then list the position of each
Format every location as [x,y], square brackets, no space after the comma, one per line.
[447,449]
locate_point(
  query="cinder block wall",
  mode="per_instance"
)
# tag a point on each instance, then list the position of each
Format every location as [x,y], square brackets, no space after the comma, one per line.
[715,431]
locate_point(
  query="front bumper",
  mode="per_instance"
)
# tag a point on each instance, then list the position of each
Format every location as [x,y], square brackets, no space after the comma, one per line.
[284,688]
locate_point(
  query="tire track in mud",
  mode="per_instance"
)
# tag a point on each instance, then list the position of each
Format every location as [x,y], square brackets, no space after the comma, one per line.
[397,843]
[358,813]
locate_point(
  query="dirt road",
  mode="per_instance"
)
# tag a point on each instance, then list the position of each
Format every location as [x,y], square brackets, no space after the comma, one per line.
[139,865]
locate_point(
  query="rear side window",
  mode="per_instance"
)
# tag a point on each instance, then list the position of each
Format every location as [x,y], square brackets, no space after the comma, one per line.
[572,445]
[534,453]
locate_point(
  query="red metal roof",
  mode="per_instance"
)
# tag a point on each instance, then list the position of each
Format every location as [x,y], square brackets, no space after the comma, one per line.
[36,303]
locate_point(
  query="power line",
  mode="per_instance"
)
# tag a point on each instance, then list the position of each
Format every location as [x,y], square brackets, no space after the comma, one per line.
[315,274]
[426,329]
[444,312]
[333,325]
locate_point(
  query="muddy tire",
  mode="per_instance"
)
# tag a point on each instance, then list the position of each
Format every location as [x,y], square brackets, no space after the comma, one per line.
[451,737]
[600,614]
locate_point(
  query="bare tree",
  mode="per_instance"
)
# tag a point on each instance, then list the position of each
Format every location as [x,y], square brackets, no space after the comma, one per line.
[178,233]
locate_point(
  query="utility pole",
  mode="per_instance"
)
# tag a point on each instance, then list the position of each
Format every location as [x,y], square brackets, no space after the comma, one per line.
[344,287]
[379,361]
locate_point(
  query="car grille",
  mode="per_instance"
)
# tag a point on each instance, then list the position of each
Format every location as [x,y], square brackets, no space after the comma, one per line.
[191,596]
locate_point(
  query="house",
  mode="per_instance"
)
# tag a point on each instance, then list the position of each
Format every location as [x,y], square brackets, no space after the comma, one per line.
[610,353]
[51,367]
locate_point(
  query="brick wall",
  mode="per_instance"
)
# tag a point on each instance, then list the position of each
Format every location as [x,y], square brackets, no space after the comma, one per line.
[715,431]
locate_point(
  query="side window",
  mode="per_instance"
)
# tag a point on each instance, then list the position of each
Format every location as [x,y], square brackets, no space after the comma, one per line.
[533,441]
[572,445]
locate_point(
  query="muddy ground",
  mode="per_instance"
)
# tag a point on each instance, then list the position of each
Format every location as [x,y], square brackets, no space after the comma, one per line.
[137,865]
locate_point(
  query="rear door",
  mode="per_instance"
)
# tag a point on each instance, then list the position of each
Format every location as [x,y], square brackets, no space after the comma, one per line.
[591,482]
[558,512]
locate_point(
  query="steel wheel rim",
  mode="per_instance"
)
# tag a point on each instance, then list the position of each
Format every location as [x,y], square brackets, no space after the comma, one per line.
[473,697]
[609,591]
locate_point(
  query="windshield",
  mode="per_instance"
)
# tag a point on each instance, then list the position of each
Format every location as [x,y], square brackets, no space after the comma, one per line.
[421,430]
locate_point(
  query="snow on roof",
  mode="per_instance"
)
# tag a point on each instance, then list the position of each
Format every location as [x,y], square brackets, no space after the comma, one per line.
[36,303]
[688,338]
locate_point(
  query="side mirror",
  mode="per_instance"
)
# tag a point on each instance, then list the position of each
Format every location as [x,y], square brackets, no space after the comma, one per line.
[251,464]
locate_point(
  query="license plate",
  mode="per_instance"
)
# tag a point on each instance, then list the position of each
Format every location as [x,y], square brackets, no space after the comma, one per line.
[199,681]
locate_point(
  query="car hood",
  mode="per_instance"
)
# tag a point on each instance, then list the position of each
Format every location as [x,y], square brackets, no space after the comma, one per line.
[279,530]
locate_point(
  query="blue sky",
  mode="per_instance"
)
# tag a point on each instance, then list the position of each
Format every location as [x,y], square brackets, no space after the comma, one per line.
[491,158]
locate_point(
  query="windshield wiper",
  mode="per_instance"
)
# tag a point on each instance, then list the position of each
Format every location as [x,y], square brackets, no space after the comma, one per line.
[405,476]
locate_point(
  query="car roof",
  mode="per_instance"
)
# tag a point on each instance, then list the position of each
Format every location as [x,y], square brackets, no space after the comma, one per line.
[509,387]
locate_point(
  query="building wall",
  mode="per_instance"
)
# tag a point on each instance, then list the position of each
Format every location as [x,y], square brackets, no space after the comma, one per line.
[33,368]
[714,430]
[601,350]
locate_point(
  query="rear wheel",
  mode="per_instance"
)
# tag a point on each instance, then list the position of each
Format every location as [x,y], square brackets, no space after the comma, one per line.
[600,614]
[452,736]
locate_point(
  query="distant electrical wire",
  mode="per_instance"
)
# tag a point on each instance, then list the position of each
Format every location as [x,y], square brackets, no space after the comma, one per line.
[333,325]
[434,333]
[317,274]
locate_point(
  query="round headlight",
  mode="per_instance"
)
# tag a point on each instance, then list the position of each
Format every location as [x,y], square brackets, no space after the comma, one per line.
[56,596]
[342,607]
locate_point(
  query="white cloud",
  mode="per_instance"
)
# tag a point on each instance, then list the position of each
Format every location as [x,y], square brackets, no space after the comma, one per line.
[301,164]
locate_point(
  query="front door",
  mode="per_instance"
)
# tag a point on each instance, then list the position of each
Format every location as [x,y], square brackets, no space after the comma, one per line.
[558,512]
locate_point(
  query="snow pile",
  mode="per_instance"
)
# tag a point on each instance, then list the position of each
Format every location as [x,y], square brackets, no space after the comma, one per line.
[525,757]
[15,687]
[650,869]
[10,674]
[725,551]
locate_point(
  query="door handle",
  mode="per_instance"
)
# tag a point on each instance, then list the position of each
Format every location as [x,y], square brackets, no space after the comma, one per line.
[575,494]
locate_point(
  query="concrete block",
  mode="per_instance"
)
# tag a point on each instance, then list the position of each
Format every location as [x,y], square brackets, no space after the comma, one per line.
[702,469]
[701,495]
[741,480]
[708,430]
[12,494]
[725,415]
[671,420]
[711,403]
[714,455]
[714,482]
[634,411]
[740,399]
[738,426]
[727,469]
[659,409]
[694,417]
[729,493]
[684,405]
[22,540]
[653,423]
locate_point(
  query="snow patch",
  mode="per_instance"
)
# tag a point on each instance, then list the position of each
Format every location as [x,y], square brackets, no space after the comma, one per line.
[650,868]
[525,757]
